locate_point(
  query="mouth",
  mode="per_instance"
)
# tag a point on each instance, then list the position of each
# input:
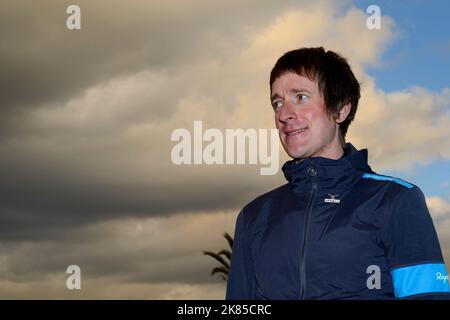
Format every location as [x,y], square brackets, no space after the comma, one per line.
[295,132]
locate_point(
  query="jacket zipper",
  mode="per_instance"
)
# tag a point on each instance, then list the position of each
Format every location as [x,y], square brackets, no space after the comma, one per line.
[313,173]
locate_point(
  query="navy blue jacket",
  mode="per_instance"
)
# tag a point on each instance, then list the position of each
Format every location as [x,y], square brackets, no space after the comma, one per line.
[337,230]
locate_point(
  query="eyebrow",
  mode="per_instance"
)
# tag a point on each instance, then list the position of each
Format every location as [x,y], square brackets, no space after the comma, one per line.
[275,96]
[291,91]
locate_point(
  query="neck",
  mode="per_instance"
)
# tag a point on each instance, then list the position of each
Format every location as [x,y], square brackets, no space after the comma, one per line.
[334,152]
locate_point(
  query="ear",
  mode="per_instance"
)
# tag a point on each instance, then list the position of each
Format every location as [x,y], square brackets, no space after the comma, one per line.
[343,113]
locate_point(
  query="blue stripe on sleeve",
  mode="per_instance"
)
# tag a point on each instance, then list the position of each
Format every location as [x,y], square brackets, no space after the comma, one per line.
[378,177]
[421,278]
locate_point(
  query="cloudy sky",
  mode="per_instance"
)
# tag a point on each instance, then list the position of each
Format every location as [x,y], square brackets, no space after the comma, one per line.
[87,117]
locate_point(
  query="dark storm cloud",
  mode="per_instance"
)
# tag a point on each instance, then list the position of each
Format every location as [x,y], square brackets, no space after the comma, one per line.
[25,263]
[55,175]
[42,62]
[123,250]
[32,208]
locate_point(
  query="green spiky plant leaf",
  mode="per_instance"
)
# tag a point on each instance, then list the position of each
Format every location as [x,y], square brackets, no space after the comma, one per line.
[223,257]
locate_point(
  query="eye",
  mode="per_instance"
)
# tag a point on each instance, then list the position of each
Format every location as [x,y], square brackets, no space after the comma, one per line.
[276,104]
[300,97]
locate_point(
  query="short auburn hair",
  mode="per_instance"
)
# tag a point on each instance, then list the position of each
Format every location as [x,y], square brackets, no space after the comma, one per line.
[333,75]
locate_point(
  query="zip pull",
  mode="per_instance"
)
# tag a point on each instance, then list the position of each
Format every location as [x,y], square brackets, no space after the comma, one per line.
[311,171]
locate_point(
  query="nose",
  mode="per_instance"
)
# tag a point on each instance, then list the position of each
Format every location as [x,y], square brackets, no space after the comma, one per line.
[287,112]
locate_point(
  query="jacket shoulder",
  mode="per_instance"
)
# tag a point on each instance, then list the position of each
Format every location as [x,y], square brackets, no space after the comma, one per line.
[260,206]
[380,179]
[391,189]
[261,200]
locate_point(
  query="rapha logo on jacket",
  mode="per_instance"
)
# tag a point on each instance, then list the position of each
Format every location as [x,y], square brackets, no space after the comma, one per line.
[332,198]
[440,276]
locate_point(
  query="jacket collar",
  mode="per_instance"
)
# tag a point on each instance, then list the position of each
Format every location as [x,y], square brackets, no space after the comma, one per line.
[332,175]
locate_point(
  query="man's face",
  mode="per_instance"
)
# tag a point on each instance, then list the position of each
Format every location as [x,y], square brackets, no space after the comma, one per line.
[304,127]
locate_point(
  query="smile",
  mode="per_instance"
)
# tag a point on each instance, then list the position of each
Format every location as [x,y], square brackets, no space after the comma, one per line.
[296,131]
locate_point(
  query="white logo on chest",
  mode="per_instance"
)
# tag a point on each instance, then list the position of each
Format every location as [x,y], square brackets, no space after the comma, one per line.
[332,198]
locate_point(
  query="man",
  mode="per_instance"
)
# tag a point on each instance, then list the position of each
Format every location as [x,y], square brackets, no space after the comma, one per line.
[337,230]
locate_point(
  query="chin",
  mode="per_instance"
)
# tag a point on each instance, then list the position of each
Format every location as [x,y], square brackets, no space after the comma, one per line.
[296,154]
[296,151]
